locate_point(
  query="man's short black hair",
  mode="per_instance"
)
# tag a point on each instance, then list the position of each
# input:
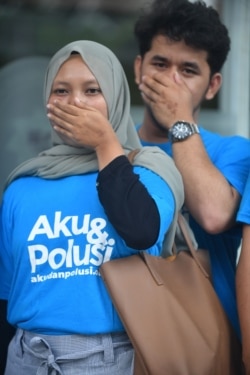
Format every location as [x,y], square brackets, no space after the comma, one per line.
[197,24]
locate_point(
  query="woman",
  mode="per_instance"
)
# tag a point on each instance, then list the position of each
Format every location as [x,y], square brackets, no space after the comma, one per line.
[243,277]
[75,206]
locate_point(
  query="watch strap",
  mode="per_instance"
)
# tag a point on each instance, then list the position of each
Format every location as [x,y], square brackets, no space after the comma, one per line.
[190,129]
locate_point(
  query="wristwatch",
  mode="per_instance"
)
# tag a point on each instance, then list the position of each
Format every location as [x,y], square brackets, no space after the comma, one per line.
[182,130]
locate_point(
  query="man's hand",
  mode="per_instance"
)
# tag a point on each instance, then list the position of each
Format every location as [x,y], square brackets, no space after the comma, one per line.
[169,99]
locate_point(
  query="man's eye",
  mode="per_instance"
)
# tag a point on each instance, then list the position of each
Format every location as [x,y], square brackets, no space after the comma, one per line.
[159,64]
[190,71]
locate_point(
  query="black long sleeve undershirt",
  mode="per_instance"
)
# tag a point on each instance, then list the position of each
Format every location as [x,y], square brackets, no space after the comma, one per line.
[128,205]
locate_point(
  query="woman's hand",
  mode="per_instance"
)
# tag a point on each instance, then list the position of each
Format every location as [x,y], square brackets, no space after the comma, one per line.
[80,125]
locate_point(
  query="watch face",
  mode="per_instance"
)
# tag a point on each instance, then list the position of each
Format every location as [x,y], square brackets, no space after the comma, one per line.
[181,130]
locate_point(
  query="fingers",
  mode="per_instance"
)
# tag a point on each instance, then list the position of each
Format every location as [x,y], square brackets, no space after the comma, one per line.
[61,109]
[149,89]
[158,82]
[164,88]
[154,87]
[61,118]
[167,96]
[63,114]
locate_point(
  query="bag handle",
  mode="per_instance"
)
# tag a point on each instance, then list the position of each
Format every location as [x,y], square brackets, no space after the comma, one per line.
[151,261]
[183,227]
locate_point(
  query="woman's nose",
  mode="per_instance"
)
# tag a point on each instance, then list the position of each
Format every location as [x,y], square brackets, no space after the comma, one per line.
[79,96]
[71,99]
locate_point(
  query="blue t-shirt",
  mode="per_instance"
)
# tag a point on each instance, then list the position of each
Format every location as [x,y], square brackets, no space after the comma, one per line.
[243,215]
[231,156]
[54,235]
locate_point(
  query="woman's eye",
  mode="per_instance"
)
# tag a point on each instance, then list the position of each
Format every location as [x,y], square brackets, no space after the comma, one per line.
[93,90]
[59,91]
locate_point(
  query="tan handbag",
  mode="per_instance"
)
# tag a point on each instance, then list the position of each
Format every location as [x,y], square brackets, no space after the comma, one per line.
[172,314]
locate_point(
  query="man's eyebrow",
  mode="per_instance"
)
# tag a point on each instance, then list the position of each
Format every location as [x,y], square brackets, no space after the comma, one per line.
[160,58]
[187,64]
[191,64]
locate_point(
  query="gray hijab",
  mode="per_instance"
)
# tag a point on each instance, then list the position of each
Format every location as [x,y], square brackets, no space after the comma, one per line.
[62,160]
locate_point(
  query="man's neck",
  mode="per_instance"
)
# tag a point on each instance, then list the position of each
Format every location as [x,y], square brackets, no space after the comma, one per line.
[149,131]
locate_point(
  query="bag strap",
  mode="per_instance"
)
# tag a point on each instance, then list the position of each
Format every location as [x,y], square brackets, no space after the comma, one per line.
[151,264]
[183,227]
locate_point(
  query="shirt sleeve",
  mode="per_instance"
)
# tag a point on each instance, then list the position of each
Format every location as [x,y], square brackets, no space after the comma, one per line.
[231,155]
[132,208]
[243,214]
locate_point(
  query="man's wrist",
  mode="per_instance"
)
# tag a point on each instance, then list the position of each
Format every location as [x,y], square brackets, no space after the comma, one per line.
[182,130]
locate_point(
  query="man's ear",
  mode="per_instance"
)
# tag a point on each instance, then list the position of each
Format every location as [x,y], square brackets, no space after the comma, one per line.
[214,86]
[137,69]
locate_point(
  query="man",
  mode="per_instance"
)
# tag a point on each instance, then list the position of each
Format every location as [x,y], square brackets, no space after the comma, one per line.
[183,47]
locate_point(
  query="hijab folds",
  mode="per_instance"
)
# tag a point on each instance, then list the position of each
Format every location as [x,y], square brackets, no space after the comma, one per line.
[62,160]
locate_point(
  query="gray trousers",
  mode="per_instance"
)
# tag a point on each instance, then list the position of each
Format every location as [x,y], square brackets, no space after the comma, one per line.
[35,354]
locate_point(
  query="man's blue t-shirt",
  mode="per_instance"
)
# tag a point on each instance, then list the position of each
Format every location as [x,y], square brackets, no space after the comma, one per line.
[231,156]
[54,235]
[243,215]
